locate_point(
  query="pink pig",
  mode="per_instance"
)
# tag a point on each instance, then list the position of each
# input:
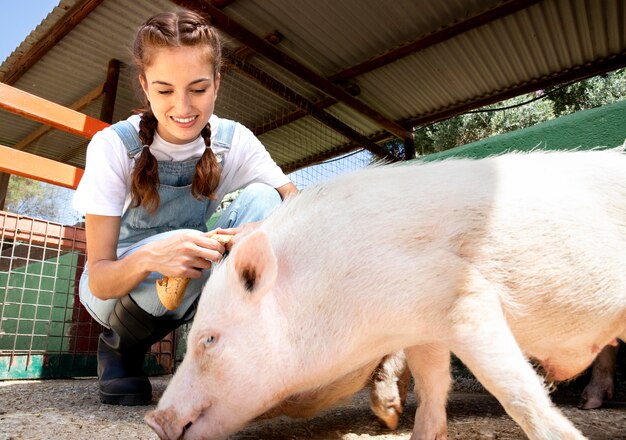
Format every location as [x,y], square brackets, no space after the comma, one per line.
[497,260]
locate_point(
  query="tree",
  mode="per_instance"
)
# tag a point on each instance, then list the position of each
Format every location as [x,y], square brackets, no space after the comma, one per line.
[520,112]
[38,199]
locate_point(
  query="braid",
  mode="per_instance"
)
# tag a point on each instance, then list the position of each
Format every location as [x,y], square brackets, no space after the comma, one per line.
[171,30]
[145,176]
[207,175]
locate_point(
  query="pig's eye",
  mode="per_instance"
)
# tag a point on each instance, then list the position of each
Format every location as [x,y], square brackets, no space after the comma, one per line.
[210,340]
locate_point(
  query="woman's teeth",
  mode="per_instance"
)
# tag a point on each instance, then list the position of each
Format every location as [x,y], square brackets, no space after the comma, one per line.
[184,120]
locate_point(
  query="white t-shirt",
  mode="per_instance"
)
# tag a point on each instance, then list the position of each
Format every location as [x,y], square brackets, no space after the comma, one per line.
[105,186]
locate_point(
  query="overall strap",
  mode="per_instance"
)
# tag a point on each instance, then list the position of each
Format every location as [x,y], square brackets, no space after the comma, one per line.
[224,134]
[129,136]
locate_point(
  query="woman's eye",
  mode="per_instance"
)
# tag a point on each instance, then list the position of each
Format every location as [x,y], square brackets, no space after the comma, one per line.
[199,90]
[164,92]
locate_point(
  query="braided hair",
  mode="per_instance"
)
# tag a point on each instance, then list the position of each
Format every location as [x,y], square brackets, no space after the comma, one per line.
[172,29]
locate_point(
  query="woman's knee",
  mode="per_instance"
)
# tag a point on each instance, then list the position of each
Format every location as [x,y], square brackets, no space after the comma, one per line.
[259,193]
[253,204]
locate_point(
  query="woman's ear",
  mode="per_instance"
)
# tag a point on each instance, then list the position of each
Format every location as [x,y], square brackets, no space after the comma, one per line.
[144,86]
[218,78]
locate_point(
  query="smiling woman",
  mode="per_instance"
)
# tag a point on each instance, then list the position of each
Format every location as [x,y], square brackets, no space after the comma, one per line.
[151,183]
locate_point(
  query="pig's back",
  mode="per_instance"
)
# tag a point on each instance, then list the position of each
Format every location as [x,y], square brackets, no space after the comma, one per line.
[542,227]
[474,197]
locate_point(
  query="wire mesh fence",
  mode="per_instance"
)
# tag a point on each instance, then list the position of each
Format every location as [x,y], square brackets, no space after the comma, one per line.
[44,329]
[306,134]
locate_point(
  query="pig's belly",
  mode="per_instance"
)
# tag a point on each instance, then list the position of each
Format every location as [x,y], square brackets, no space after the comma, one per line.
[563,357]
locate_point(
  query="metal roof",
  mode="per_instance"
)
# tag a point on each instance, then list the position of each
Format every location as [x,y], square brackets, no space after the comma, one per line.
[316,79]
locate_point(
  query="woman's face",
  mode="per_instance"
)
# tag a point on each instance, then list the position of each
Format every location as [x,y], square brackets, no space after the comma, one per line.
[180,86]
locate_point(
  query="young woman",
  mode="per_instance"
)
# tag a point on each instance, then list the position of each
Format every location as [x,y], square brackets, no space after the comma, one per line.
[150,185]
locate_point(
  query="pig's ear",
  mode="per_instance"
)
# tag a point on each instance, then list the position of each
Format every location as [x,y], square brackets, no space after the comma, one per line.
[253,264]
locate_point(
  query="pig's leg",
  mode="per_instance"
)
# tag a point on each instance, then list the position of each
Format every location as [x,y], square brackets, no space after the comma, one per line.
[602,379]
[430,367]
[482,339]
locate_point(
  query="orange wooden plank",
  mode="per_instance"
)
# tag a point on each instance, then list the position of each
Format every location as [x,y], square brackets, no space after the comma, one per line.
[41,110]
[41,232]
[24,164]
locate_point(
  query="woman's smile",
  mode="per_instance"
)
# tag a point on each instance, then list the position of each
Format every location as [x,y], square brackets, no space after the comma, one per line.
[182,100]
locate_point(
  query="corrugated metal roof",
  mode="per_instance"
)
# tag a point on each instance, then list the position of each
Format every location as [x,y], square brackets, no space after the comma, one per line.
[467,58]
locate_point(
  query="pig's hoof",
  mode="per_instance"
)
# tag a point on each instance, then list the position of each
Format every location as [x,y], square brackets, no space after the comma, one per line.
[592,402]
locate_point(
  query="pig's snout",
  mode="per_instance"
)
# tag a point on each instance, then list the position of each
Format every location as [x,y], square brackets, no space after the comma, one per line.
[167,424]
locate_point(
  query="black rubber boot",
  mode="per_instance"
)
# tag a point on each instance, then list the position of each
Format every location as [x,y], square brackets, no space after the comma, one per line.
[122,349]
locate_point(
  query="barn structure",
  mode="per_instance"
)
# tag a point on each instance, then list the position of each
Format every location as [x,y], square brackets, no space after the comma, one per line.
[314,80]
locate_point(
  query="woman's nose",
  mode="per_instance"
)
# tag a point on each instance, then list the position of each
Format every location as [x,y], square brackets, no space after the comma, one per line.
[183,103]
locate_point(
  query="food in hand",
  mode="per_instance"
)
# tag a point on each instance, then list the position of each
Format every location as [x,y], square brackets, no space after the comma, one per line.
[171,290]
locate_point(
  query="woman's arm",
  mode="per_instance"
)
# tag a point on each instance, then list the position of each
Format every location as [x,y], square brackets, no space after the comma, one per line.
[181,255]
[287,190]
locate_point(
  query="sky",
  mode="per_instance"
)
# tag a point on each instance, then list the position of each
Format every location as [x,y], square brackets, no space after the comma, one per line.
[17,19]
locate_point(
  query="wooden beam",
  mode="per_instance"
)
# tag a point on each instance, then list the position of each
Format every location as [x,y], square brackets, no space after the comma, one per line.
[501,10]
[318,158]
[56,33]
[300,101]
[291,117]
[41,232]
[259,45]
[4,188]
[78,106]
[110,90]
[41,110]
[28,165]
[445,33]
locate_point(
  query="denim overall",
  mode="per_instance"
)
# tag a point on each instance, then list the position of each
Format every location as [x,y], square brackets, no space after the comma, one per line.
[178,211]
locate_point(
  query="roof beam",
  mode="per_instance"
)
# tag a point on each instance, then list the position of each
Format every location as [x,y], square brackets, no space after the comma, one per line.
[300,101]
[259,45]
[318,158]
[291,117]
[481,18]
[56,33]
[445,33]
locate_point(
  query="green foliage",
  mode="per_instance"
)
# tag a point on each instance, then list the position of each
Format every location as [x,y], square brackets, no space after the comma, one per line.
[521,112]
[37,199]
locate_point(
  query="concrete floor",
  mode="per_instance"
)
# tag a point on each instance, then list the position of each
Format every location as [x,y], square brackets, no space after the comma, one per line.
[69,409]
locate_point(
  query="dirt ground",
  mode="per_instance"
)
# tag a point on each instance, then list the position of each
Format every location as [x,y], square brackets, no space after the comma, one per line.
[69,409]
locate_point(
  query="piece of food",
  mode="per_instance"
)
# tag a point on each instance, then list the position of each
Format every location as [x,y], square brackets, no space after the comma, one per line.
[171,290]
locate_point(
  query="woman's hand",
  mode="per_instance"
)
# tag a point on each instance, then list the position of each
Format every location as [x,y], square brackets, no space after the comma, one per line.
[237,232]
[184,255]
